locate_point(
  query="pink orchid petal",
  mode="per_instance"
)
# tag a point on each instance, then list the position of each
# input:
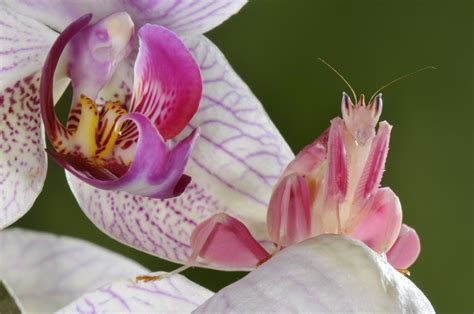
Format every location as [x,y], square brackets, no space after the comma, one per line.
[289,211]
[406,248]
[371,176]
[175,294]
[225,242]
[326,274]
[46,271]
[168,85]
[156,170]
[234,165]
[380,228]
[53,126]
[186,17]
[24,44]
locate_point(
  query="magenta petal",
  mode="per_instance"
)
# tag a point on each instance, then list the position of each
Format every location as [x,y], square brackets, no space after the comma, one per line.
[381,226]
[375,165]
[406,248]
[156,171]
[288,215]
[51,122]
[168,84]
[223,240]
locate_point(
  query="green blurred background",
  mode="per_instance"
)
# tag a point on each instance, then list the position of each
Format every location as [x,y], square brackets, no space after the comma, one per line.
[274,45]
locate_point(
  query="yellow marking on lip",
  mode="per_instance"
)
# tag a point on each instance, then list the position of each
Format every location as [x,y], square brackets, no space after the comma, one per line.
[84,137]
[112,112]
[88,140]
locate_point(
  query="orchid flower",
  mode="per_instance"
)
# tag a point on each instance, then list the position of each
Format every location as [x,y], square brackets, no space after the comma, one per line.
[234,163]
[332,186]
[330,273]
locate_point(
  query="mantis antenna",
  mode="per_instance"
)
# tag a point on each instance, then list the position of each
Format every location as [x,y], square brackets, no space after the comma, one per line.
[430,67]
[340,75]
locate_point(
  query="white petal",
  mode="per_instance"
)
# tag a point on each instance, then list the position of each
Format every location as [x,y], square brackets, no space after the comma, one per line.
[329,273]
[240,154]
[46,271]
[24,44]
[176,294]
[181,16]
[234,164]
[23,162]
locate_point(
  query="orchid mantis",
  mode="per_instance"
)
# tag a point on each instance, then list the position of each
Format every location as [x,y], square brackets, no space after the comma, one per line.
[331,187]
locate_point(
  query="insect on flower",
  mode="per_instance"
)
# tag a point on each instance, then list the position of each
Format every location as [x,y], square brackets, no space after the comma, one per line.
[331,187]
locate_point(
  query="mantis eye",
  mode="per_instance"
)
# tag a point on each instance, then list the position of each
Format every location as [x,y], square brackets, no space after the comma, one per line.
[346,106]
[375,107]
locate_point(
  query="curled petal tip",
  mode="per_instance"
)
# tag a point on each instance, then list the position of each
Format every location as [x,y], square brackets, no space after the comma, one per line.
[181,185]
[51,122]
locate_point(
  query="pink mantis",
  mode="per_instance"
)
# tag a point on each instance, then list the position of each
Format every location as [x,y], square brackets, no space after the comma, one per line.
[331,186]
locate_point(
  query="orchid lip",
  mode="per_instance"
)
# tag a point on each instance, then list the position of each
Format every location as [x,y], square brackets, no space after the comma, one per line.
[95,146]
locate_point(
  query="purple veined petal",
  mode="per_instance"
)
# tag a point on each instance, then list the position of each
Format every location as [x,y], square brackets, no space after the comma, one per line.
[185,17]
[46,271]
[24,44]
[329,273]
[240,154]
[156,170]
[175,294]
[234,165]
